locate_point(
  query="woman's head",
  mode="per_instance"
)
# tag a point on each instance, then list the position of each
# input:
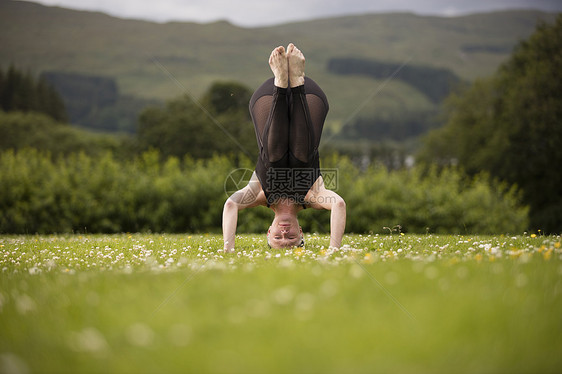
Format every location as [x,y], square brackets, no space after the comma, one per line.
[285,232]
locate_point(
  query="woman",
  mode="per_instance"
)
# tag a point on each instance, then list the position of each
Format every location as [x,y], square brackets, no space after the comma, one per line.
[288,112]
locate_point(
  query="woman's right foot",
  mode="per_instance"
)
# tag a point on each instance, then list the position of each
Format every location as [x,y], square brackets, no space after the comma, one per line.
[279,66]
[296,66]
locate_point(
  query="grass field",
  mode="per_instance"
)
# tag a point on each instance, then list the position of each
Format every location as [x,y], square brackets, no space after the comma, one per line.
[139,303]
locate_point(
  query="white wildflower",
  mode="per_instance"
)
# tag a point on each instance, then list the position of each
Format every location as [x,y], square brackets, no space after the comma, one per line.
[140,335]
[283,295]
[25,304]
[88,340]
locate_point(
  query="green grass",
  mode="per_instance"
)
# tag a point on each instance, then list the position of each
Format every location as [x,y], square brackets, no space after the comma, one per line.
[174,303]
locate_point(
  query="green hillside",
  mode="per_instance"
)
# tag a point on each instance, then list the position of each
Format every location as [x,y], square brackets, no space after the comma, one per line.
[143,56]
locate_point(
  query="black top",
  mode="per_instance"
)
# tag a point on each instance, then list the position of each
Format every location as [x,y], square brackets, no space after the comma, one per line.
[279,181]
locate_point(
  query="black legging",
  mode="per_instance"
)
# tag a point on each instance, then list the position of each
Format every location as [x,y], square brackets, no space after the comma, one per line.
[288,122]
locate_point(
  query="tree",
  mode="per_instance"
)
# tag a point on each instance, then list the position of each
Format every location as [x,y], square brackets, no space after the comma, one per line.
[218,123]
[37,130]
[511,126]
[21,91]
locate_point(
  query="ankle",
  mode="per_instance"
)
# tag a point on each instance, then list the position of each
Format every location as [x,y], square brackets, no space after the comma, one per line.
[297,81]
[281,82]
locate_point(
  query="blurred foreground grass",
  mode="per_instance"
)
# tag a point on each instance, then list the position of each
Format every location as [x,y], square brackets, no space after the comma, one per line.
[174,303]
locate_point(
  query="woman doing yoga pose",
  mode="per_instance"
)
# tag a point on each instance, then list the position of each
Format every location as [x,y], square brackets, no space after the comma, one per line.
[288,112]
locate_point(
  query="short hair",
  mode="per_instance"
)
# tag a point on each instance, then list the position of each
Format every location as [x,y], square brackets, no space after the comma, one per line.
[300,245]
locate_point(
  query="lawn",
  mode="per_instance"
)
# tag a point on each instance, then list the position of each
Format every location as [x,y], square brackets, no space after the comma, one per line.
[150,303]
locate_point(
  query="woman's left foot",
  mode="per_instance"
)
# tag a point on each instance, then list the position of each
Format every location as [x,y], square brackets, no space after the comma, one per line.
[296,66]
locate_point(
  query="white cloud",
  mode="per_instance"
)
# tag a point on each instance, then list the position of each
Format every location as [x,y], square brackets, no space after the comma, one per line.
[267,12]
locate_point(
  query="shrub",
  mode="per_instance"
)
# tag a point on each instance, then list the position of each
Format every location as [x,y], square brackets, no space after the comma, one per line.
[42,193]
[420,201]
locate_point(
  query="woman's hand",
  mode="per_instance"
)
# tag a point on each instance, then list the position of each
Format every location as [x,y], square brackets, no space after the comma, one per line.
[321,198]
[249,196]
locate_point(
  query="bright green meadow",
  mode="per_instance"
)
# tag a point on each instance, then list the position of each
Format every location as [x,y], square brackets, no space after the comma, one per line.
[151,303]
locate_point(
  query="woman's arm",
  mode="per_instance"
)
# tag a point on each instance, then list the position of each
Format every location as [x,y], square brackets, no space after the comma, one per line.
[249,196]
[322,198]
[229,223]
[337,221]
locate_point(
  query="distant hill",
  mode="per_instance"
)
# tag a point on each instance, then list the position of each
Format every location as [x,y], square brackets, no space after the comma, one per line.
[435,83]
[146,58]
[95,103]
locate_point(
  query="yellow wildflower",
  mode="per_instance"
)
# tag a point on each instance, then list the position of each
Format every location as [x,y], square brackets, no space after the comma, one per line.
[368,258]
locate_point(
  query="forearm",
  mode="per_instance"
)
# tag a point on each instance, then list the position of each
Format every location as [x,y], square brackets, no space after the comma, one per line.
[229,222]
[337,224]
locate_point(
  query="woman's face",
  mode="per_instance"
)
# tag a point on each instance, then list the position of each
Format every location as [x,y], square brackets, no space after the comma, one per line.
[284,233]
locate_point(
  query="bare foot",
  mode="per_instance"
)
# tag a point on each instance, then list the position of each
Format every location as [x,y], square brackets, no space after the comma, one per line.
[296,65]
[278,63]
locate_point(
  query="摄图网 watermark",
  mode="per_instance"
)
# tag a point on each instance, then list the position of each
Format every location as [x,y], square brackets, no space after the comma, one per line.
[281,179]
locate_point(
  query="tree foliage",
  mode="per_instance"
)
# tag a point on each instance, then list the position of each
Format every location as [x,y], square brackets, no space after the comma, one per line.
[94,101]
[76,193]
[217,123]
[22,92]
[510,125]
[36,130]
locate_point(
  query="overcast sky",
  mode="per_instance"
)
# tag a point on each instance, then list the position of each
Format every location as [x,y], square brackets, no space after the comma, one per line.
[267,12]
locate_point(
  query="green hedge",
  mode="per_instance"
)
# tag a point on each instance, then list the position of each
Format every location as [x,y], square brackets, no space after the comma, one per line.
[41,193]
[424,200]
[85,194]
